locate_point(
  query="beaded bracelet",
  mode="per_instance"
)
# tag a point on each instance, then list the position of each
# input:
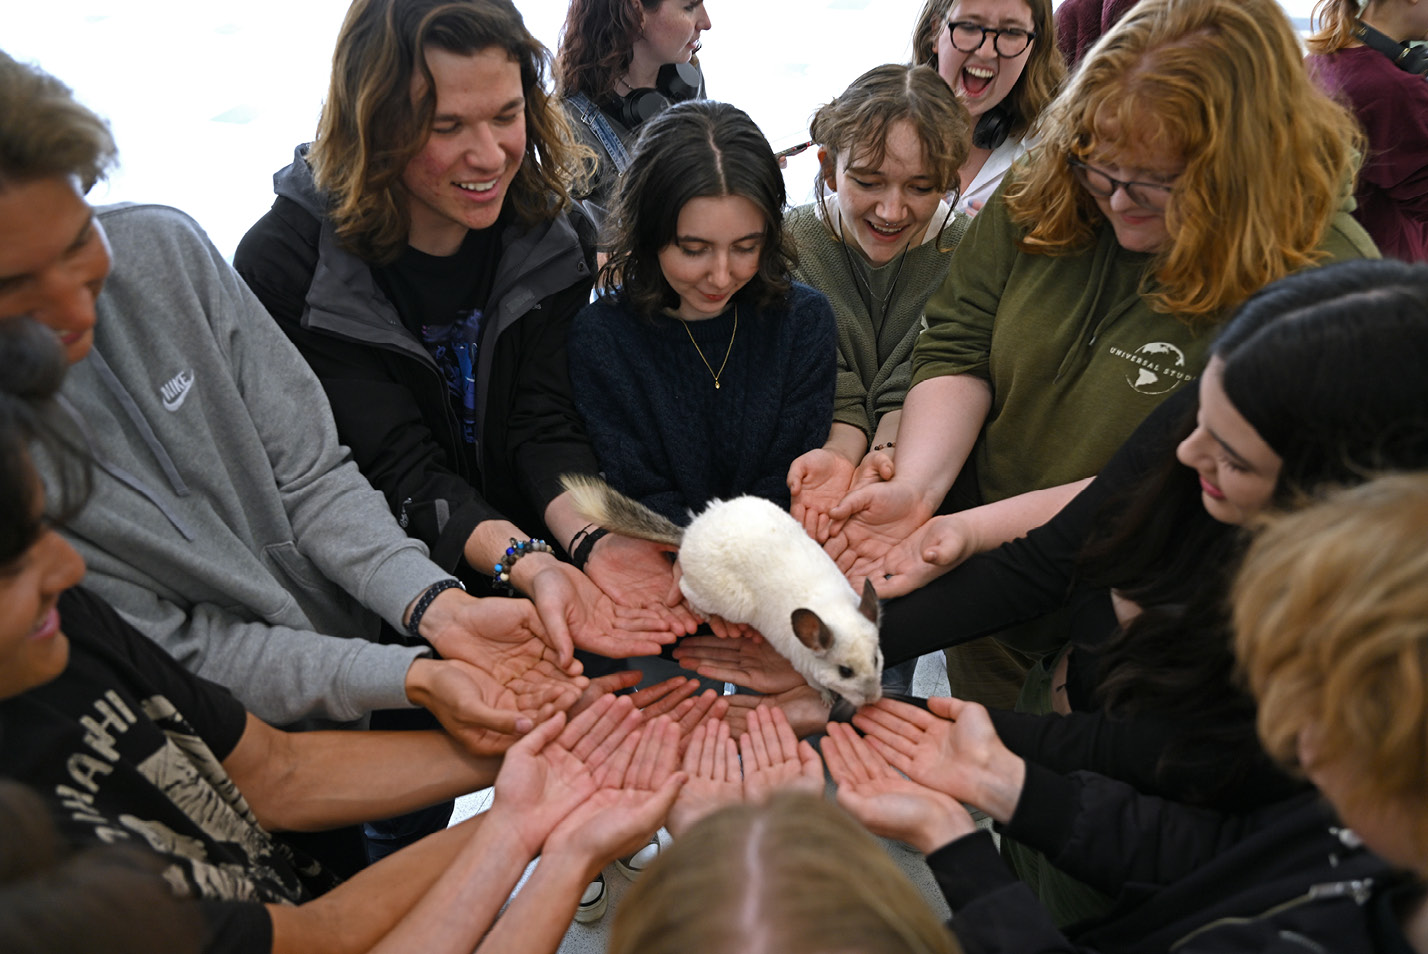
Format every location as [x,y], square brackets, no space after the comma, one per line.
[502,571]
[887,446]
[581,556]
[424,602]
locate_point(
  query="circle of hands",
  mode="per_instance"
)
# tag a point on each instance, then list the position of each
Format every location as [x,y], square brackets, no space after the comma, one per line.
[597,785]
[873,527]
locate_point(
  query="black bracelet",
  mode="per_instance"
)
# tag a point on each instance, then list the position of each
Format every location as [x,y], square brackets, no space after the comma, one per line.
[581,556]
[570,547]
[424,602]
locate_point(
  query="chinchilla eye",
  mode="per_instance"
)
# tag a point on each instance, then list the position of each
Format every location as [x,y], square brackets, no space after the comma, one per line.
[846,672]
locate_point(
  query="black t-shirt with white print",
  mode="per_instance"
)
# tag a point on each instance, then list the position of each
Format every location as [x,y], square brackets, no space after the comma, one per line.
[126,747]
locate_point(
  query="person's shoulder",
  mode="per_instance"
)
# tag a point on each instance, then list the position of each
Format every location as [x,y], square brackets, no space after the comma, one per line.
[149,221]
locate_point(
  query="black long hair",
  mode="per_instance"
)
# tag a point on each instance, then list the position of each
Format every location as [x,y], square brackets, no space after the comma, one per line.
[694,149]
[1327,366]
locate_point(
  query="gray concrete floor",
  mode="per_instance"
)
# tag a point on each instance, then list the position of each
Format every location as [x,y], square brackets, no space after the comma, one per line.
[930,680]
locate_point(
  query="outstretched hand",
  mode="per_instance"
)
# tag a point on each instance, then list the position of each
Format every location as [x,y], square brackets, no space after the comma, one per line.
[804,706]
[751,663]
[936,547]
[878,517]
[577,612]
[546,775]
[493,698]
[818,480]
[711,762]
[637,576]
[774,760]
[634,790]
[953,749]
[887,803]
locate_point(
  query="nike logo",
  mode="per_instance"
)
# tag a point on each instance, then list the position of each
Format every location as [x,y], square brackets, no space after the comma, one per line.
[175,390]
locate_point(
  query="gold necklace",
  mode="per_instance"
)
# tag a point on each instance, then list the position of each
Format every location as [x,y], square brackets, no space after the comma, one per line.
[712,373]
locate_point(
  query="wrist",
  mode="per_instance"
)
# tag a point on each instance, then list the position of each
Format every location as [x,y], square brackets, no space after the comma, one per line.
[524,571]
[999,784]
[942,829]
[434,608]
[417,683]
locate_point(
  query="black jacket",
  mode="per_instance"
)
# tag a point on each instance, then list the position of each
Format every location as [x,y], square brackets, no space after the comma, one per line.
[1286,878]
[389,399]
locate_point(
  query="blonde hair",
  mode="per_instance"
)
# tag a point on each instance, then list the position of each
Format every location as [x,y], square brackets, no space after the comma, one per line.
[1043,75]
[856,123]
[1269,158]
[794,876]
[1331,620]
[370,128]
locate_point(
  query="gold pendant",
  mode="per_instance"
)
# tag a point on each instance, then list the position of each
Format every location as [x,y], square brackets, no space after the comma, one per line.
[716,385]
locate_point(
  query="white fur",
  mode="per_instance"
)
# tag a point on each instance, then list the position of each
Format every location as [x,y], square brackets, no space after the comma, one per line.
[750,562]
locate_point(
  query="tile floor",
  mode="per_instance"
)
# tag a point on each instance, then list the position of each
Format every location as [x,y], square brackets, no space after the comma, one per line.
[931,680]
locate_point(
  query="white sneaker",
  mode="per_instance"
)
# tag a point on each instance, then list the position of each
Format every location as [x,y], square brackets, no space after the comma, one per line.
[593,902]
[633,866]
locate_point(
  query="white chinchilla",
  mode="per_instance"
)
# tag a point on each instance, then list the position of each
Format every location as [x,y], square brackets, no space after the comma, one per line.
[750,562]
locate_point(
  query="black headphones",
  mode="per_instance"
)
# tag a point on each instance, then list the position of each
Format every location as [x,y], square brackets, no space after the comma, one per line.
[676,82]
[1412,59]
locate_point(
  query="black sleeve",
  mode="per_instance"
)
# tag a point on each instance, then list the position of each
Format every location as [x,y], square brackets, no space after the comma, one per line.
[545,431]
[992,912]
[1032,575]
[1107,834]
[236,927]
[277,258]
[215,715]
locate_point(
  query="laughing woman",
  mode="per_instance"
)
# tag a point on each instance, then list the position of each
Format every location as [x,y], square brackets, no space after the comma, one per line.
[704,370]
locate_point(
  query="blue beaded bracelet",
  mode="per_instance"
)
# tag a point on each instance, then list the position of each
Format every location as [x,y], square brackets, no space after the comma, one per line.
[502,571]
[424,602]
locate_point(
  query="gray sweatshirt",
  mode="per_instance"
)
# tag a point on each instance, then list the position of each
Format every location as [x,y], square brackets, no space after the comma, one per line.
[226,521]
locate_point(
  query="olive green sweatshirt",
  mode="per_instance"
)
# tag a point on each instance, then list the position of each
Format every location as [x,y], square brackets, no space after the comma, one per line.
[1074,353]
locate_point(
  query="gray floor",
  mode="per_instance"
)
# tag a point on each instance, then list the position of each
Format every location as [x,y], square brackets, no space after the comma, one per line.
[931,680]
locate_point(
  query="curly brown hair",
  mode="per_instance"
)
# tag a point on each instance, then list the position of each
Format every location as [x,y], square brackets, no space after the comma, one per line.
[597,44]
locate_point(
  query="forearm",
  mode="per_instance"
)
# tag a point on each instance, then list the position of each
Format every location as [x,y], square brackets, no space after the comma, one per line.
[993,524]
[541,913]
[940,423]
[358,914]
[318,780]
[847,441]
[459,908]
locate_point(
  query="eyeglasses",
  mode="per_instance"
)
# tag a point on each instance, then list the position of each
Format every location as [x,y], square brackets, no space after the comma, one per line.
[1008,42]
[1147,195]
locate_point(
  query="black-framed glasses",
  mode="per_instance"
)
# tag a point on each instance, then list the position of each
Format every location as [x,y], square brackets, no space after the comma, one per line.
[1147,195]
[968,37]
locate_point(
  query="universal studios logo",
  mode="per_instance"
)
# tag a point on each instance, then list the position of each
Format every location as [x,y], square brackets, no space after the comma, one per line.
[1157,367]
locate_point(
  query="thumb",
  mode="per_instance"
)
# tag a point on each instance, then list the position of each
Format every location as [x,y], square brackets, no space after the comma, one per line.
[947,707]
[551,626]
[854,502]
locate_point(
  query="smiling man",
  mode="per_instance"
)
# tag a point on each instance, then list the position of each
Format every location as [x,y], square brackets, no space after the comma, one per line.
[226,522]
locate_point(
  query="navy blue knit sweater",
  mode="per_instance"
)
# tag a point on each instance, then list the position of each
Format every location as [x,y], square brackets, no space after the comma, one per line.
[661,431]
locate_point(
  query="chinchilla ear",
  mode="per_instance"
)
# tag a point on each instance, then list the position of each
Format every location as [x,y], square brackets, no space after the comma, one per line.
[811,632]
[869,607]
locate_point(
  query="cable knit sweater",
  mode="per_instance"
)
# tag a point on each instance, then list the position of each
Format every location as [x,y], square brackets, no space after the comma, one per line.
[662,432]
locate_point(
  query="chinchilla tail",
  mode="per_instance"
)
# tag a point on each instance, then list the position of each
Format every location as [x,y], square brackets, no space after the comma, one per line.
[602,504]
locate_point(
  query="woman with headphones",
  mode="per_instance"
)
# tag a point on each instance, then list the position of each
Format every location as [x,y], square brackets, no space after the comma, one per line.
[1362,57]
[619,63]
